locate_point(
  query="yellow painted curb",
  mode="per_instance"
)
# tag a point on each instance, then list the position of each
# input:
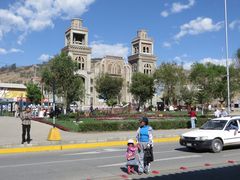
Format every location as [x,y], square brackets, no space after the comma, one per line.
[78,146]
[30,149]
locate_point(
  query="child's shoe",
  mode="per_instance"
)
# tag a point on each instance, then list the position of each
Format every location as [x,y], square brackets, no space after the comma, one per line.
[132,170]
[129,170]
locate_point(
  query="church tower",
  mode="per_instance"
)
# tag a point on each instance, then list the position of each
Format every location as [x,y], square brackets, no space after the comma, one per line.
[142,58]
[76,46]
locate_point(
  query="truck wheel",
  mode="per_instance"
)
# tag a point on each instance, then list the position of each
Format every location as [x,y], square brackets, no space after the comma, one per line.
[217,145]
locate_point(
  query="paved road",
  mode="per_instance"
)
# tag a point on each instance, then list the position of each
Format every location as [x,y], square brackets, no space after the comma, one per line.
[108,163]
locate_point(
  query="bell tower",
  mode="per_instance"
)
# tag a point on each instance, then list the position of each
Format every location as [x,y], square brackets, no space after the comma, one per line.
[76,46]
[142,58]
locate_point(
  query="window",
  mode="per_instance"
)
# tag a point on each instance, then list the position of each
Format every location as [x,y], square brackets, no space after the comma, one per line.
[144,49]
[80,61]
[147,69]
[134,67]
[91,81]
[91,89]
[147,49]
[109,68]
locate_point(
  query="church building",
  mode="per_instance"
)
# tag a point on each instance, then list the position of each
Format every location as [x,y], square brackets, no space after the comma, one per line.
[142,59]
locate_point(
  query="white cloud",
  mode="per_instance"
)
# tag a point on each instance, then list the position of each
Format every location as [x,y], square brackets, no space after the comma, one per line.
[234,24]
[164,13]
[221,62]
[3,51]
[166,44]
[12,50]
[100,49]
[45,57]
[177,7]
[31,15]
[198,26]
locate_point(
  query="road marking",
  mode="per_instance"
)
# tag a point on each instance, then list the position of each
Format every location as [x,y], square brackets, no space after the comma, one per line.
[82,153]
[110,150]
[113,150]
[156,160]
[178,157]
[56,162]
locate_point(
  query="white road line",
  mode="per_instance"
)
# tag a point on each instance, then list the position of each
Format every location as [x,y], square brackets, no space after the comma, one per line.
[110,150]
[82,153]
[156,160]
[56,162]
[113,150]
[179,157]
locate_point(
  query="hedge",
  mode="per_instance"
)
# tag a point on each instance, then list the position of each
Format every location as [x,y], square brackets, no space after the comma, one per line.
[133,125]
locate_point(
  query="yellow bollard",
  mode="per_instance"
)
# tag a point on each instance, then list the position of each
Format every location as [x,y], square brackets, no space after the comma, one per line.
[54,134]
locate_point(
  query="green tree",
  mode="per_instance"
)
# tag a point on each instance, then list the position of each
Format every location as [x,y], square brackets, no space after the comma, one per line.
[238,58]
[171,77]
[34,93]
[142,88]
[60,74]
[211,81]
[109,88]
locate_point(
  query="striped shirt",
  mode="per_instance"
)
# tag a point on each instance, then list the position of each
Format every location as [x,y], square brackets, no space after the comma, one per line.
[26,118]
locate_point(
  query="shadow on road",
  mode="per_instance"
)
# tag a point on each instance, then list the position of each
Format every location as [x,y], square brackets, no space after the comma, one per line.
[192,150]
[221,173]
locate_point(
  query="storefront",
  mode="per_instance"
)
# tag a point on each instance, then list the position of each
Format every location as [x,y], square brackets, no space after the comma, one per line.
[11,94]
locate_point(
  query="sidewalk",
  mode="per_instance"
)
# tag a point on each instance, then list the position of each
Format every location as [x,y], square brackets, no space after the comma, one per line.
[10,133]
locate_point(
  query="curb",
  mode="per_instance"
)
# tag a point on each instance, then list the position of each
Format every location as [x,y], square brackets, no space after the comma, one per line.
[76,146]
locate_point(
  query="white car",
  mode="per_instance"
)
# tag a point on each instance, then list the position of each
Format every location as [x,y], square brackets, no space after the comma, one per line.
[214,134]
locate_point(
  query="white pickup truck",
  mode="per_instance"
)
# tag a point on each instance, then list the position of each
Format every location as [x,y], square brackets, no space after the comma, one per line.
[214,134]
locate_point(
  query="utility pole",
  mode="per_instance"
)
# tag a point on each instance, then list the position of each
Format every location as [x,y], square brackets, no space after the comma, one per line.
[227,63]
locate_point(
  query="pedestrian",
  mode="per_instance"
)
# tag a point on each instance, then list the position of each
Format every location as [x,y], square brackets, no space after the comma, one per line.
[193,117]
[217,113]
[26,117]
[223,112]
[16,109]
[144,144]
[131,156]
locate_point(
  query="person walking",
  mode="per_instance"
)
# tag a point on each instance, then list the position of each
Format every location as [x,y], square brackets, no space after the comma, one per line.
[144,143]
[193,118]
[223,112]
[16,110]
[26,117]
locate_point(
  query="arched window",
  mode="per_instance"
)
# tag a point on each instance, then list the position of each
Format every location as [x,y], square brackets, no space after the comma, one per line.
[80,60]
[147,49]
[134,67]
[109,68]
[118,70]
[147,69]
[144,49]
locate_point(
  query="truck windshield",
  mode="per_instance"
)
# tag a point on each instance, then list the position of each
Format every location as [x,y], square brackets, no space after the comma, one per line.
[214,125]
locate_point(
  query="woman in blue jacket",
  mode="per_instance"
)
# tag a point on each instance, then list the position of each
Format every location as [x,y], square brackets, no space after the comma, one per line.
[145,143]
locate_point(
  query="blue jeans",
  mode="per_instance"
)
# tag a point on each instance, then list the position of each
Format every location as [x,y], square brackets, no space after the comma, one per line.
[193,125]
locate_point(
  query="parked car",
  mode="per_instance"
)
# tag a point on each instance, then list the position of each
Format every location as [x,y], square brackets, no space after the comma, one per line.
[213,135]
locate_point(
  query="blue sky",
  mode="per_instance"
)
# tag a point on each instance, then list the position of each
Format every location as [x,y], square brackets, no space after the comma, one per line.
[184,31]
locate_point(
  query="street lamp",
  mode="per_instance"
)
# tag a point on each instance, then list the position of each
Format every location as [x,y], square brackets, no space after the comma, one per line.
[227,64]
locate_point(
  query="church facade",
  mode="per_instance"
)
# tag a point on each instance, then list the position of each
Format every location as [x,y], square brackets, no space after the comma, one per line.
[142,59]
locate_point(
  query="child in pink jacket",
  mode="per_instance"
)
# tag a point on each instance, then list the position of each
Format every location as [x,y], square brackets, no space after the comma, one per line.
[131,156]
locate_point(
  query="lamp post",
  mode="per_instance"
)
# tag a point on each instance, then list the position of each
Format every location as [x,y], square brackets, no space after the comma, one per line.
[227,63]
[54,109]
